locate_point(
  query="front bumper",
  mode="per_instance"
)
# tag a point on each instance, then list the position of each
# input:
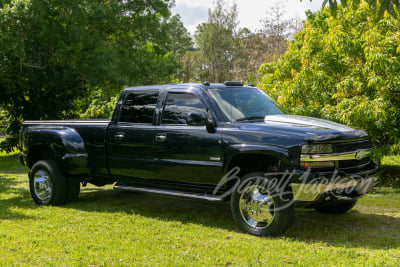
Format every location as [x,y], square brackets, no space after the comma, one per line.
[315,187]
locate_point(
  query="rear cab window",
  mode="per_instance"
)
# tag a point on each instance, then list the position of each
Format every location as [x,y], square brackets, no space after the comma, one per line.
[139,107]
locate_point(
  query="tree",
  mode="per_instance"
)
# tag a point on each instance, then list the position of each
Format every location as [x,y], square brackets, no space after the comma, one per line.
[215,40]
[344,68]
[276,30]
[254,49]
[53,52]
[181,42]
[193,67]
[251,54]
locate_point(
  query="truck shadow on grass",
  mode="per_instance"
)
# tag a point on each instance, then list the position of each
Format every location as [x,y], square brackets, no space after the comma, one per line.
[353,229]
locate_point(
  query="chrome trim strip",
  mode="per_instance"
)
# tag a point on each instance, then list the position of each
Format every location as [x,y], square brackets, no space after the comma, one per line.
[67,122]
[358,154]
[169,192]
[192,162]
[355,166]
[68,156]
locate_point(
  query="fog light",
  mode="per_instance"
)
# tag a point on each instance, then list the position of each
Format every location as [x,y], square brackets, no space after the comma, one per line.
[318,164]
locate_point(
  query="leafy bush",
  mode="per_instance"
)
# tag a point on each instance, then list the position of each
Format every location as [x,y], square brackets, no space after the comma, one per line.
[344,68]
[100,107]
[3,121]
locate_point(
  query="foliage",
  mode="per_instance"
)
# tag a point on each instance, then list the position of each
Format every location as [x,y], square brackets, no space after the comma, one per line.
[378,7]
[344,68]
[107,227]
[3,118]
[100,107]
[53,52]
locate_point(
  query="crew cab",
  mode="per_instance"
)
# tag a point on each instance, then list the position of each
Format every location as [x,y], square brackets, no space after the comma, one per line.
[217,142]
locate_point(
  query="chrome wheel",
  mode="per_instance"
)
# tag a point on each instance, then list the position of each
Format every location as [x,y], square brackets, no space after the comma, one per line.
[257,207]
[42,185]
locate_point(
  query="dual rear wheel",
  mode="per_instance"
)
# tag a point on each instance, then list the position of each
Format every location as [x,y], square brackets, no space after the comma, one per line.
[48,186]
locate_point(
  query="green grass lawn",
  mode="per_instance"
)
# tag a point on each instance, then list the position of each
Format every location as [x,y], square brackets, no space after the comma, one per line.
[107,227]
[390,165]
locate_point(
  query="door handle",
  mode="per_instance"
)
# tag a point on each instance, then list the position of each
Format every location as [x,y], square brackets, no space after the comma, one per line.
[161,137]
[119,136]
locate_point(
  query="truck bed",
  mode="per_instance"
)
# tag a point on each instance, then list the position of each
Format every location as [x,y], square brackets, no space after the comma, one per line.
[92,132]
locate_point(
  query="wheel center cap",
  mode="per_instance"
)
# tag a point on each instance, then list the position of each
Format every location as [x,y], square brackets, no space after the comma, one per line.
[255,205]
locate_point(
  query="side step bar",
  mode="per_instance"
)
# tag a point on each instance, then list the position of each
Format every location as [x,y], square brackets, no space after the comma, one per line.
[169,192]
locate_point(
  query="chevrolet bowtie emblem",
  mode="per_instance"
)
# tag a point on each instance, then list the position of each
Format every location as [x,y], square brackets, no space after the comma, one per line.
[362,153]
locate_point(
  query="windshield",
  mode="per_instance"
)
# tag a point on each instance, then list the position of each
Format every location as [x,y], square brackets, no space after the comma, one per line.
[244,103]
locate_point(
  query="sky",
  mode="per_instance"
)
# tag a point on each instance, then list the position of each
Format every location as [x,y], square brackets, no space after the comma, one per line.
[194,12]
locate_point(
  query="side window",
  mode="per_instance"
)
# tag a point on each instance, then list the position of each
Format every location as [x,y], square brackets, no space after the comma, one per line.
[179,105]
[139,107]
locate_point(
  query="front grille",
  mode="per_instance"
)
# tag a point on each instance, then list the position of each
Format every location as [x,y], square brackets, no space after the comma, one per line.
[354,164]
[352,146]
[345,157]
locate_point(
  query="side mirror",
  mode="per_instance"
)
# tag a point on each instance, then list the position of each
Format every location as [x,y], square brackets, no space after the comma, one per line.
[196,119]
[210,123]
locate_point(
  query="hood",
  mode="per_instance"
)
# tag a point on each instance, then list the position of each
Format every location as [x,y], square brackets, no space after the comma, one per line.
[311,129]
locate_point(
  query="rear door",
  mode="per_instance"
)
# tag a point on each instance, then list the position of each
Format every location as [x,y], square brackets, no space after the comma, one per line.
[130,145]
[186,153]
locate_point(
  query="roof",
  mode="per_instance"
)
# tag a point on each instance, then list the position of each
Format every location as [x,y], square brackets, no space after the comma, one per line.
[204,85]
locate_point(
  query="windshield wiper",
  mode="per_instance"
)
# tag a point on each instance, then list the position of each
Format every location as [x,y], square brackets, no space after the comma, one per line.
[251,118]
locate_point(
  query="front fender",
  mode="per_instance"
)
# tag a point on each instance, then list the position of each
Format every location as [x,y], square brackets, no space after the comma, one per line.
[273,151]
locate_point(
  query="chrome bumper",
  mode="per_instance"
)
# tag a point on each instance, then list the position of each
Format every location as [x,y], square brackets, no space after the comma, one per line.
[310,187]
[339,188]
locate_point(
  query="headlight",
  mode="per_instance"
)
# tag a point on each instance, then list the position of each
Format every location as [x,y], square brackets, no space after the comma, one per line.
[316,149]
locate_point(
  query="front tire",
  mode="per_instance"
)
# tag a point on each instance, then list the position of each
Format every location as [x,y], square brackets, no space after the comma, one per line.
[47,184]
[261,209]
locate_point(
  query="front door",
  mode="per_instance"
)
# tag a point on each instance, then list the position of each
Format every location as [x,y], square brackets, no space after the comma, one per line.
[186,153]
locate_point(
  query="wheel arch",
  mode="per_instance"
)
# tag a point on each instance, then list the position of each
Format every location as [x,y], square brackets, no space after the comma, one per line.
[251,158]
[37,153]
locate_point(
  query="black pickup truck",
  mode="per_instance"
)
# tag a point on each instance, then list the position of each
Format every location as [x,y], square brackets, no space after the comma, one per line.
[218,142]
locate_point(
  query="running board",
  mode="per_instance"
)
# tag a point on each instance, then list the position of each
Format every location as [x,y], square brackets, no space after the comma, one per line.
[203,196]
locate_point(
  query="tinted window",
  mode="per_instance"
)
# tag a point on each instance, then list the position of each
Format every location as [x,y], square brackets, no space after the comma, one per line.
[238,103]
[139,107]
[179,105]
